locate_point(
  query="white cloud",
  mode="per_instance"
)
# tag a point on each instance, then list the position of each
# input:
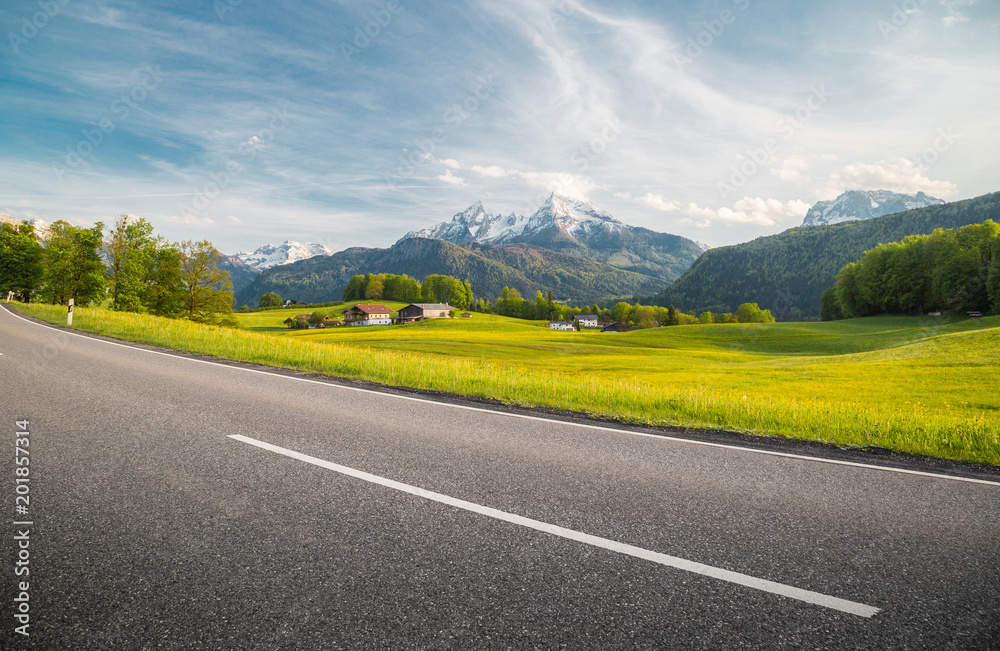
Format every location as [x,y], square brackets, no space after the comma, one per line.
[452,163]
[955,14]
[491,171]
[791,168]
[658,202]
[448,177]
[233,219]
[570,185]
[624,195]
[748,210]
[190,220]
[898,175]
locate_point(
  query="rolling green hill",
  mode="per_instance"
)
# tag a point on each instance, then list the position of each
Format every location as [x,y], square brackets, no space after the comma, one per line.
[787,273]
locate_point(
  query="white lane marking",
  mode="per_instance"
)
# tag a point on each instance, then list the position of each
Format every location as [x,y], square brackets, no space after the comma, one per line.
[483,410]
[808,596]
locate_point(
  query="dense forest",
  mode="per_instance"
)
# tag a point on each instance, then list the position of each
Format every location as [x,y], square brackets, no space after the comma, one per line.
[788,272]
[954,269]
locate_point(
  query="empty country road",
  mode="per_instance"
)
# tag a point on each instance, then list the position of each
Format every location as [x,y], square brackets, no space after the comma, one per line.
[180,503]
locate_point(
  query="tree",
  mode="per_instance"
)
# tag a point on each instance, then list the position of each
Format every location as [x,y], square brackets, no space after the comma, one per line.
[375,288]
[129,250]
[317,318]
[270,300]
[621,312]
[73,265]
[672,317]
[829,307]
[208,293]
[706,317]
[21,255]
[164,293]
[751,313]
[541,307]
[355,290]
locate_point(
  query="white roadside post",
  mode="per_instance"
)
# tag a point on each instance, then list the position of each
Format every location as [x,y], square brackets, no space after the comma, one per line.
[10,295]
[69,314]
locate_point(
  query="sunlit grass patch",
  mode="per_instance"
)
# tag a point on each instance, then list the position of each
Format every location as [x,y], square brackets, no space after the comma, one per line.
[907,384]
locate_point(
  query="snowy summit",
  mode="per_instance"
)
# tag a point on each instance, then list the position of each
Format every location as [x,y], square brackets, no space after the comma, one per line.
[269,255]
[865,204]
[575,217]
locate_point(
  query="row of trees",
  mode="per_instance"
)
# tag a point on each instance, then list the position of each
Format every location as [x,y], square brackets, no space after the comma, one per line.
[511,303]
[954,269]
[130,268]
[390,287]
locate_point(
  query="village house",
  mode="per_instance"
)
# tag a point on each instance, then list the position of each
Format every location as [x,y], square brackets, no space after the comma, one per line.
[561,325]
[586,320]
[366,315]
[422,311]
[616,326]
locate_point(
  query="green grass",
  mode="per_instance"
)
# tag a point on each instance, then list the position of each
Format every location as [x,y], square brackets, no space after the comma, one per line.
[909,384]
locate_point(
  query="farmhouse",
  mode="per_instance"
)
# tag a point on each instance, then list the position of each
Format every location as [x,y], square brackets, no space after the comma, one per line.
[561,325]
[366,315]
[422,311]
[586,320]
[617,326]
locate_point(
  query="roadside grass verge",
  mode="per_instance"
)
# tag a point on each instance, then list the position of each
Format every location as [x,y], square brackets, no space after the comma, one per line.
[903,385]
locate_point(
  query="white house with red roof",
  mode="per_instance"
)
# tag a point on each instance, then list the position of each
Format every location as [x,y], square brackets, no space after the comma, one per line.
[367,315]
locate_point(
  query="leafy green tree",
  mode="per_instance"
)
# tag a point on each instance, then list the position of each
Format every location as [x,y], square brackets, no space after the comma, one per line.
[706,317]
[541,307]
[317,318]
[621,312]
[751,313]
[673,318]
[208,293]
[375,288]
[829,307]
[270,300]
[73,265]
[165,291]
[129,250]
[21,256]
[355,290]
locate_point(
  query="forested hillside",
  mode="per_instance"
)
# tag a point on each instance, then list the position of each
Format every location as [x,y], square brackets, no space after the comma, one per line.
[787,273]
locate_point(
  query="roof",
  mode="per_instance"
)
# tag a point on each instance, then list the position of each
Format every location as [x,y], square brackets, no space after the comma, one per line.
[372,309]
[432,306]
[586,317]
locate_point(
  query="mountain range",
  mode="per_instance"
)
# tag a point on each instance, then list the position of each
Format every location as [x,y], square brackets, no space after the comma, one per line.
[568,246]
[865,204]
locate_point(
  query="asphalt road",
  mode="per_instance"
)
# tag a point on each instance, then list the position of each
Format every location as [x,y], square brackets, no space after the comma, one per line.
[370,520]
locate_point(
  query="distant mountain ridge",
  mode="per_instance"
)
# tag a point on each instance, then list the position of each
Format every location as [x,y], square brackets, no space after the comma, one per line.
[865,204]
[788,272]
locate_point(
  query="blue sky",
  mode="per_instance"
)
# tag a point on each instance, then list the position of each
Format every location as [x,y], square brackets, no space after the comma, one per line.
[351,123]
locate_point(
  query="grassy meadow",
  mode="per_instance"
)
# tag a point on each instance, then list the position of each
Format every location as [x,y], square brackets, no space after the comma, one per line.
[910,384]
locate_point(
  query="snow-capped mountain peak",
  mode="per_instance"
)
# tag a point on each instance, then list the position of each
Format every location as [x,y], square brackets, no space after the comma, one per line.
[474,224]
[865,204]
[572,216]
[288,252]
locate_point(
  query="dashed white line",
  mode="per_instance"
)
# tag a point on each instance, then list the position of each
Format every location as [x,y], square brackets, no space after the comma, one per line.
[601,428]
[807,596]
